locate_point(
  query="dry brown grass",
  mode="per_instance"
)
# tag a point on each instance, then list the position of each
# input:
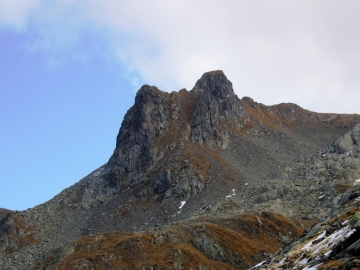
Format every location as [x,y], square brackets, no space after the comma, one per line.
[349,213]
[332,265]
[306,224]
[342,121]
[202,158]
[341,188]
[261,114]
[19,227]
[131,251]
[188,103]
[241,235]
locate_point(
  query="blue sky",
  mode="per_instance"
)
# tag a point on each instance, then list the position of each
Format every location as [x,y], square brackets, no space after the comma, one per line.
[69,71]
[57,123]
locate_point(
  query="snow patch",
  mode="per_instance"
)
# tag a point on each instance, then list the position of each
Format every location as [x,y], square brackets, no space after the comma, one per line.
[232,193]
[182,204]
[323,247]
[327,253]
[320,236]
[313,267]
[259,264]
[304,261]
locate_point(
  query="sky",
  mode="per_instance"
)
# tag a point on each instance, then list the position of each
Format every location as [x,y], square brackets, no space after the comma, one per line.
[70,69]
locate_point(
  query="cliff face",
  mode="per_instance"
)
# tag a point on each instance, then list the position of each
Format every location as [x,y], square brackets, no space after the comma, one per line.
[145,122]
[194,154]
[217,110]
[160,124]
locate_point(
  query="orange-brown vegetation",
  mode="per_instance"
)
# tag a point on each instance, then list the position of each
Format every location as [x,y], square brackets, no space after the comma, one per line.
[304,223]
[342,120]
[202,157]
[187,103]
[21,234]
[341,187]
[261,115]
[349,213]
[243,240]
[332,265]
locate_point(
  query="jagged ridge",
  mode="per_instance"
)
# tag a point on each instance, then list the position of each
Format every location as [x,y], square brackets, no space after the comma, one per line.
[204,147]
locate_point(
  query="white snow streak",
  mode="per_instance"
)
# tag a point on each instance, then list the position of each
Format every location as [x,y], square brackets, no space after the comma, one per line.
[232,194]
[182,204]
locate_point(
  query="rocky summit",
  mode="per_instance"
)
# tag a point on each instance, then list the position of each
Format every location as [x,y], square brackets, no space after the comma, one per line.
[201,179]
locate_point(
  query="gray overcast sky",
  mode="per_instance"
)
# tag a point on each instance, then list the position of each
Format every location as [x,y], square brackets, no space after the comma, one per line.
[305,52]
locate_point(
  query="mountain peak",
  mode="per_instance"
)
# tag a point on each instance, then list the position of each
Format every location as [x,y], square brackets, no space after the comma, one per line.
[214,73]
[187,155]
[147,89]
[216,83]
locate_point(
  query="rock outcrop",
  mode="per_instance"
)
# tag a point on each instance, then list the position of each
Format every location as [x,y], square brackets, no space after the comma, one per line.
[333,243]
[232,243]
[349,143]
[217,110]
[3,213]
[160,123]
[135,144]
[193,155]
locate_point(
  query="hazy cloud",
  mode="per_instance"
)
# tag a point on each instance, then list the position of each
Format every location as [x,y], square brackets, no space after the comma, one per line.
[15,13]
[305,52]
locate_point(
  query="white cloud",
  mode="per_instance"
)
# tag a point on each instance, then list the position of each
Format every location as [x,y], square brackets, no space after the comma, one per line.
[15,13]
[305,52]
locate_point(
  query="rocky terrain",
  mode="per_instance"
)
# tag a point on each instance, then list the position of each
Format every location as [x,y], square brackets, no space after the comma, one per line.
[199,243]
[4,212]
[333,243]
[195,178]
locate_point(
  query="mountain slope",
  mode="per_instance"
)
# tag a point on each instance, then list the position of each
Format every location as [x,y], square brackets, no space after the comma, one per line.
[333,243]
[232,243]
[3,213]
[184,154]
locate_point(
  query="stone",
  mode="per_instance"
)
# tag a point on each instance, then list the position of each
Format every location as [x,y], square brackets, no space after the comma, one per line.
[344,144]
[195,146]
[217,104]
[208,246]
[355,134]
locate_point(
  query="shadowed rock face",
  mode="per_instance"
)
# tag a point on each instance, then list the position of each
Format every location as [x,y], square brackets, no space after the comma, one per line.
[160,126]
[193,155]
[143,123]
[217,108]
[3,213]
[160,123]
